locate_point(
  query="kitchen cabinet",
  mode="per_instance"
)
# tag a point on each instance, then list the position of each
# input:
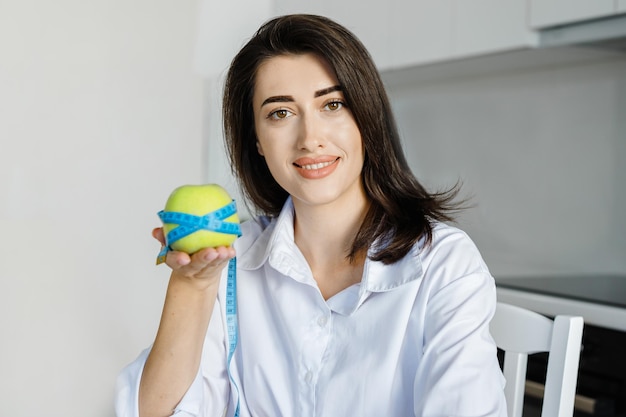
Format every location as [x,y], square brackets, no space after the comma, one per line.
[402,34]
[545,13]
[419,32]
[367,19]
[427,31]
[485,26]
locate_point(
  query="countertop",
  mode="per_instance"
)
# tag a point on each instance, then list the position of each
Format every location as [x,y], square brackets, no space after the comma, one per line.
[599,299]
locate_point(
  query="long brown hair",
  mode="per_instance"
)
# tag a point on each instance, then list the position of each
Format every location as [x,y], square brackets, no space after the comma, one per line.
[401,209]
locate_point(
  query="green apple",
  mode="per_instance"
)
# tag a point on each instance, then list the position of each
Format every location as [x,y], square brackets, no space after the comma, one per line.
[199,200]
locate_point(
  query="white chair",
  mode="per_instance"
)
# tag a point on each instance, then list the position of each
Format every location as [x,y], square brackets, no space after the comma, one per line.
[520,332]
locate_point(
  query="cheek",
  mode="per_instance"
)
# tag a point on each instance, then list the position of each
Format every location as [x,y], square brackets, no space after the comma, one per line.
[258,133]
[270,154]
[272,159]
[352,139]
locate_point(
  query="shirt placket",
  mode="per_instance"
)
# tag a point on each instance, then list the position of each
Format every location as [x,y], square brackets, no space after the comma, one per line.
[314,344]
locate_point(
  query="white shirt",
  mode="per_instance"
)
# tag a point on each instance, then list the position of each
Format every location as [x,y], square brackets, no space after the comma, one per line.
[411,339]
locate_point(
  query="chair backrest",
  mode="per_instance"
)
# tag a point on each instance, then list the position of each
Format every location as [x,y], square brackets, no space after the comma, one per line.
[520,332]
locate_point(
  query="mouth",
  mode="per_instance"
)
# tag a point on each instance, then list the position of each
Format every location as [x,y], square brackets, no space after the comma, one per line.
[310,166]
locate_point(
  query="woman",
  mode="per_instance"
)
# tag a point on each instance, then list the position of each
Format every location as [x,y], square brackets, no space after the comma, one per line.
[353,297]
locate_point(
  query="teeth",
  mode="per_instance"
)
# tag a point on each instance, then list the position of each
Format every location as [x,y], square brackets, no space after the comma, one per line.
[317,166]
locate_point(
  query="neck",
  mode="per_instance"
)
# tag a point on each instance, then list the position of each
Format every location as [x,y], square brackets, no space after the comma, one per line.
[325,234]
[332,226]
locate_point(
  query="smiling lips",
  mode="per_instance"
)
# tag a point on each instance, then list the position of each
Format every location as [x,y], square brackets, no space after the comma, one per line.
[316,168]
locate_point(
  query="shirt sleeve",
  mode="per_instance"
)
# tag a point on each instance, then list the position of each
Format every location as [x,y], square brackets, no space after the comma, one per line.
[460,374]
[208,395]
[127,387]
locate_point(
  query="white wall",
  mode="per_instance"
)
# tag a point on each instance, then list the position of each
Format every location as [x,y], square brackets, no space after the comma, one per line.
[542,151]
[222,31]
[101,116]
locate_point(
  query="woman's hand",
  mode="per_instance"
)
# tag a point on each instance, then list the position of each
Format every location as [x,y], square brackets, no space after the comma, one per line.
[174,359]
[202,269]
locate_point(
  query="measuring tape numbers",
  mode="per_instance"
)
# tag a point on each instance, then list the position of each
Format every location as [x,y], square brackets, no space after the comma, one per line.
[231,321]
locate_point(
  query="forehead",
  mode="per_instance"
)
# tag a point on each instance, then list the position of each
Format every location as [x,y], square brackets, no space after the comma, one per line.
[290,74]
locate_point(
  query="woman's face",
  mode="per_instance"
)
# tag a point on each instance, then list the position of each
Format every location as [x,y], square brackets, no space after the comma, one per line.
[306,133]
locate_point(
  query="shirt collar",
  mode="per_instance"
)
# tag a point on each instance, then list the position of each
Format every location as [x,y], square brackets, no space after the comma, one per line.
[277,239]
[277,230]
[378,277]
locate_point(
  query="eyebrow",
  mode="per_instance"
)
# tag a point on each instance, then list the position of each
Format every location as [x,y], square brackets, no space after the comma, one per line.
[288,99]
[328,90]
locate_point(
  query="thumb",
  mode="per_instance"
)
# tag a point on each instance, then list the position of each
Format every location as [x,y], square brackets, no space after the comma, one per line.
[158,234]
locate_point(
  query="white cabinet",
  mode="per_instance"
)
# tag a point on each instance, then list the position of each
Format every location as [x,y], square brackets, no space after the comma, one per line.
[621,6]
[401,33]
[367,19]
[426,31]
[420,31]
[397,33]
[544,13]
[482,26]
[299,6]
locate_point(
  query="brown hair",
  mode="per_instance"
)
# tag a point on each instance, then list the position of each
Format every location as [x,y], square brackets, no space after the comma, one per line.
[401,210]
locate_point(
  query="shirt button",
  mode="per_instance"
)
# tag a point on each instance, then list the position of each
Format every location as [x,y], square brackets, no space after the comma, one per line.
[308,377]
[322,320]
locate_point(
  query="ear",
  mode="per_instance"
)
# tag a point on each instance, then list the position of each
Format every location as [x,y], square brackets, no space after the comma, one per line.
[259,149]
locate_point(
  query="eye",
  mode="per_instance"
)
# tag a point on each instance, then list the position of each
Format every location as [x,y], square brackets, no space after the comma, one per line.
[334,105]
[279,114]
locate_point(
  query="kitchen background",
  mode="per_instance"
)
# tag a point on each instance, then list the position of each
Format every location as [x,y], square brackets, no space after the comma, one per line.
[106,106]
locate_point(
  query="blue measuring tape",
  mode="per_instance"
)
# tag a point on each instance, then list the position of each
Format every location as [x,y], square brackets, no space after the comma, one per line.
[213,221]
[189,223]
[231,321]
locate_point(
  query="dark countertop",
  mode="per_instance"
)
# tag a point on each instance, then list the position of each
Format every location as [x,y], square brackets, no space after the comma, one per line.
[602,289]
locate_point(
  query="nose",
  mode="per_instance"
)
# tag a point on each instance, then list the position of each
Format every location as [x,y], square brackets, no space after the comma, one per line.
[311,132]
